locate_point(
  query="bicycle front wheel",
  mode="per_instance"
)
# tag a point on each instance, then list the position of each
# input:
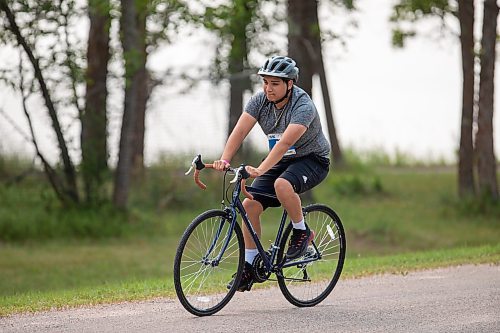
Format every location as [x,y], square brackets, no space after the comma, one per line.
[310,282]
[200,281]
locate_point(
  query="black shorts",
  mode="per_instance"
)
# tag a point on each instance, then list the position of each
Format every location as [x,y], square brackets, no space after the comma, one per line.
[303,173]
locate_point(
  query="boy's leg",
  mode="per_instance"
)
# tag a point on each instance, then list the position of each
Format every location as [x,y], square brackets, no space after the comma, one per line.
[289,199]
[254,209]
[298,178]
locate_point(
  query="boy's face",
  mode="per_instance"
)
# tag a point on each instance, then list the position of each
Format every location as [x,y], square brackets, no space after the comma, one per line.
[274,87]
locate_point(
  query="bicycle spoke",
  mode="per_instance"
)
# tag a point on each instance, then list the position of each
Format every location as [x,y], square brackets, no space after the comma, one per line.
[200,285]
[309,283]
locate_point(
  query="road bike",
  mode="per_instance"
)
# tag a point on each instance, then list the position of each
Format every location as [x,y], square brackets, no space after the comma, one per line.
[211,252]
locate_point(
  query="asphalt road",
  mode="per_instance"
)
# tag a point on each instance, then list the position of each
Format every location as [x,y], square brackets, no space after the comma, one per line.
[455,299]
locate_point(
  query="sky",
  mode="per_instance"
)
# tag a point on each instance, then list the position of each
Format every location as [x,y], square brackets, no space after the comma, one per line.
[384,99]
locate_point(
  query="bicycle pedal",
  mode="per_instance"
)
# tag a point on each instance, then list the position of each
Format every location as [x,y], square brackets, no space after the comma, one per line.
[246,287]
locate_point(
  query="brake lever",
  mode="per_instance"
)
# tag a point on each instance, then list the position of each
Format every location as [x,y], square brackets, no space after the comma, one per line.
[235,179]
[193,164]
[190,169]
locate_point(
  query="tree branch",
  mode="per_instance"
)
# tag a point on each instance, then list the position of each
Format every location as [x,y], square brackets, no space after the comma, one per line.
[69,169]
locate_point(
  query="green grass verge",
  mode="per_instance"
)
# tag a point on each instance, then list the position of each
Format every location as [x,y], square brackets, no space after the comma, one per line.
[52,257]
[134,290]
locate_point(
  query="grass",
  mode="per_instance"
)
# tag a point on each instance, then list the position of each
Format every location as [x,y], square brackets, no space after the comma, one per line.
[396,220]
[130,288]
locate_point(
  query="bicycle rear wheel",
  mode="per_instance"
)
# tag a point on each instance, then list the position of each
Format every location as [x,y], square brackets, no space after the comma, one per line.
[200,283]
[308,284]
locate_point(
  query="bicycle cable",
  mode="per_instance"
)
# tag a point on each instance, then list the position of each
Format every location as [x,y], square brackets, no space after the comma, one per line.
[227,189]
[225,195]
[223,192]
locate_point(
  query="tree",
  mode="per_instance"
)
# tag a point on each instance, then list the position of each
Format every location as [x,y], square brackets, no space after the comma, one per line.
[304,45]
[243,12]
[466,149]
[486,161]
[155,23]
[134,63]
[94,118]
[46,34]
[410,11]
[61,75]
[162,18]
[234,23]
[39,15]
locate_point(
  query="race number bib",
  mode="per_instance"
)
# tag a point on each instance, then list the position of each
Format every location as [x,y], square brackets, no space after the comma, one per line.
[273,138]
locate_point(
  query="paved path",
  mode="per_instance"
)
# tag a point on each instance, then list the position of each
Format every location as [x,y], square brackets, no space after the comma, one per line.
[456,299]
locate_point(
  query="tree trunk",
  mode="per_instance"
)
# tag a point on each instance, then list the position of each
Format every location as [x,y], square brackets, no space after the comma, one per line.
[238,84]
[94,119]
[337,156]
[304,46]
[300,24]
[131,52]
[243,11]
[70,189]
[486,162]
[466,150]
[300,21]
[142,96]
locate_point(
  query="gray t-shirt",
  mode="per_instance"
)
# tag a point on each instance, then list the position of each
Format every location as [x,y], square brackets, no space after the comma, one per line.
[300,109]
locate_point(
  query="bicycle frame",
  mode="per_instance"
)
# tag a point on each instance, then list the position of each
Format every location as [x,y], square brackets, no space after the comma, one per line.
[212,248]
[236,208]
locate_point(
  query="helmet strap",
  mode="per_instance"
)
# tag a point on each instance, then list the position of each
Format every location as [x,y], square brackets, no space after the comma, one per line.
[284,97]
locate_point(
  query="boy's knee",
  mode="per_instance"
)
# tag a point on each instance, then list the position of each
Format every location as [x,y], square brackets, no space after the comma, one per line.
[281,185]
[252,206]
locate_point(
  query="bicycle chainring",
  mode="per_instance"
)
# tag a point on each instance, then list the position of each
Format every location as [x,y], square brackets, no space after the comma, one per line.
[260,274]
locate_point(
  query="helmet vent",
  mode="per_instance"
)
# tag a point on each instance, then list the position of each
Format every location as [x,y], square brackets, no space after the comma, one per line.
[282,67]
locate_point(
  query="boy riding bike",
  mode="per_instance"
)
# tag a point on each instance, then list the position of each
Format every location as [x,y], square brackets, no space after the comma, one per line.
[298,157]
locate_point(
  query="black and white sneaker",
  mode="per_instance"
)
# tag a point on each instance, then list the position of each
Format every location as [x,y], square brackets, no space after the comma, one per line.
[298,243]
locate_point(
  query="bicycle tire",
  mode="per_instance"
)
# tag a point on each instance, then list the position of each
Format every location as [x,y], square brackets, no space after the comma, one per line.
[308,285]
[200,286]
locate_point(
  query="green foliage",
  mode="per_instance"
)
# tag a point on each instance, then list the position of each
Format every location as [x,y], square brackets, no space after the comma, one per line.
[482,206]
[46,25]
[412,10]
[407,12]
[399,37]
[234,24]
[366,160]
[31,212]
[51,256]
[165,187]
[348,4]
[14,168]
[356,185]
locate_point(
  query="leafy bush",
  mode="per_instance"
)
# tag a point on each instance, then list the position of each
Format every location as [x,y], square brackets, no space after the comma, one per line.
[356,184]
[474,207]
